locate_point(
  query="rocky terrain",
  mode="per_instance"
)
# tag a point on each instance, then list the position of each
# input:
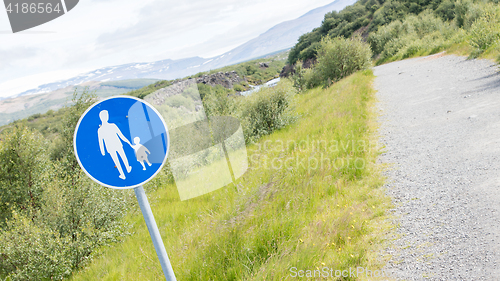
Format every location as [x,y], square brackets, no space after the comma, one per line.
[227,79]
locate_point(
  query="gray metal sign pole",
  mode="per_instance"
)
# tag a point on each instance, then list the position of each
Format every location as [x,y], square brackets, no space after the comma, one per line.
[155,233]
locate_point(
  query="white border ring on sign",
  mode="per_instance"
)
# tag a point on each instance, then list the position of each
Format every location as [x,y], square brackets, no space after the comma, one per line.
[114,97]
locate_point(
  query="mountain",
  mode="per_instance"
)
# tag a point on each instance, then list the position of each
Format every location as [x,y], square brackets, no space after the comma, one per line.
[25,105]
[281,36]
[278,38]
[164,69]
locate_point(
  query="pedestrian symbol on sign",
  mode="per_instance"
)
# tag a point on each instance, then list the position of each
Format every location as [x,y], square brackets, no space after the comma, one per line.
[109,138]
[141,152]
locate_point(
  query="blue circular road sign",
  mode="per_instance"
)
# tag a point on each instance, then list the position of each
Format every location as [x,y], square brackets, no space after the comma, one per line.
[121,142]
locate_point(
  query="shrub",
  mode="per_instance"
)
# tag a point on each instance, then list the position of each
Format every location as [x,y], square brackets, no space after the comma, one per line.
[22,161]
[340,57]
[266,110]
[445,10]
[305,78]
[394,46]
[260,113]
[251,69]
[298,78]
[423,24]
[379,39]
[468,12]
[53,217]
[238,88]
[484,32]
[217,101]
[416,35]
[461,9]
[31,252]
[312,78]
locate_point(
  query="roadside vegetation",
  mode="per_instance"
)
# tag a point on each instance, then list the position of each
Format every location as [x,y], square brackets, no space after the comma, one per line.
[337,58]
[52,217]
[310,199]
[324,207]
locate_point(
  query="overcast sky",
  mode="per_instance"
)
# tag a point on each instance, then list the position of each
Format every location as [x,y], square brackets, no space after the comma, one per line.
[98,33]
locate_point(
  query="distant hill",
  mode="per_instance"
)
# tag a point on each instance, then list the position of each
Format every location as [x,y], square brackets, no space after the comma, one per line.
[282,36]
[278,38]
[25,105]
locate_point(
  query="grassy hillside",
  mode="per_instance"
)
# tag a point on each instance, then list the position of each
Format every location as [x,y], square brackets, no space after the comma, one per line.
[400,29]
[362,17]
[54,219]
[254,73]
[310,199]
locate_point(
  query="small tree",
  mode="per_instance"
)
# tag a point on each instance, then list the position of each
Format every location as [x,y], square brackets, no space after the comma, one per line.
[54,217]
[484,32]
[339,57]
[23,159]
[91,214]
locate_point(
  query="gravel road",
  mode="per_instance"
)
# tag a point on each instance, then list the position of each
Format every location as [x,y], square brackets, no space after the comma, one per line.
[440,123]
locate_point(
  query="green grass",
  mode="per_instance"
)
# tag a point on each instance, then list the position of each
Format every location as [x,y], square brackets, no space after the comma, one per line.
[285,212]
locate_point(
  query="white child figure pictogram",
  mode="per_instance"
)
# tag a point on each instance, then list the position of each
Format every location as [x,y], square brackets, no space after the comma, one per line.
[141,152]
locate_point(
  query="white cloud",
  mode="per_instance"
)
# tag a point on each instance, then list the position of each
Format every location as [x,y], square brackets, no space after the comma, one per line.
[101,33]
[29,82]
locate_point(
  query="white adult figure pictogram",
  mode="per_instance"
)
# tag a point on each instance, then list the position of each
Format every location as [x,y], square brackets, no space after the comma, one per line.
[109,136]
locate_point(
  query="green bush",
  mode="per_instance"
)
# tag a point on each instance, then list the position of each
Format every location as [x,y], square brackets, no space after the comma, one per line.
[266,110]
[445,10]
[23,160]
[468,12]
[393,46]
[340,57]
[366,17]
[379,39]
[251,69]
[217,101]
[298,78]
[423,24]
[31,252]
[260,113]
[52,216]
[461,9]
[484,32]
[238,88]
[415,35]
